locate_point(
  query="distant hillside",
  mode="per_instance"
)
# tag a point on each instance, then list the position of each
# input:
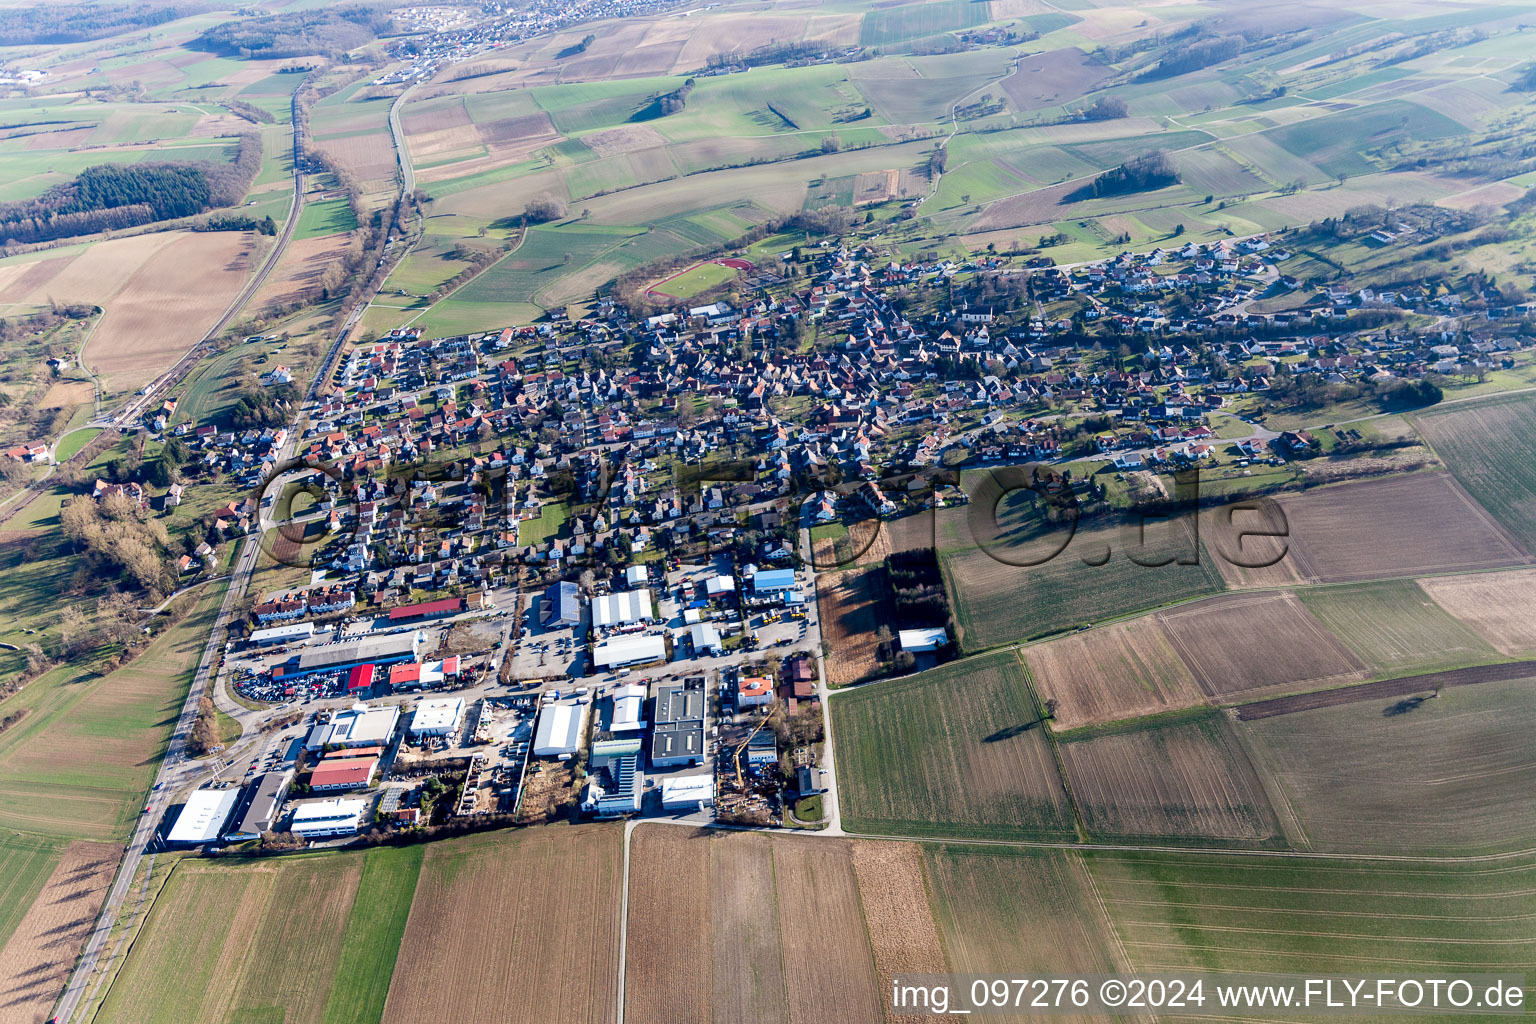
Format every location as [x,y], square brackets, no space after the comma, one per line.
[327,32]
[75,23]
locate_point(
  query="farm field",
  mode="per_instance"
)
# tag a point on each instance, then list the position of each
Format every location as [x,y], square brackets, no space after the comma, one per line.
[1396,628]
[736,905]
[1390,774]
[38,954]
[1490,445]
[1177,912]
[1178,779]
[1092,579]
[1378,529]
[957,750]
[27,862]
[1497,606]
[124,718]
[1243,645]
[1019,913]
[853,605]
[1124,670]
[487,909]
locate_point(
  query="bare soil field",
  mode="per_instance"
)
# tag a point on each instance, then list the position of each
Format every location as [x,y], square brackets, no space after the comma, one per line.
[1124,670]
[739,909]
[299,270]
[1397,526]
[1019,913]
[1040,206]
[1242,644]
[165,307]
[1500,607]
[894,894]
[370,158]
[1053,77]
[1183,779]
[42,950]
[876,186]
[618,141]
[518,129]
[739,33]
[1422,685]
[1243,542]
[853,605]
[67,394]
[519,926]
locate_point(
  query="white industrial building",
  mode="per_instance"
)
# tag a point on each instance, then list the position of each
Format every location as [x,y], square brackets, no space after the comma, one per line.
[636,575]
[917,640]
[687,792]
[357,726]
[558,733]
[628,709]
[629,650]
[335,817]
[439,716]
[283,634]
[719,586]
[611,610]
[706,639]
[202,817]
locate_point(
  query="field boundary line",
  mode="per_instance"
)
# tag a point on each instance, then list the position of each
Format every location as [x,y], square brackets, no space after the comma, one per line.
[521,238]
[1078,824]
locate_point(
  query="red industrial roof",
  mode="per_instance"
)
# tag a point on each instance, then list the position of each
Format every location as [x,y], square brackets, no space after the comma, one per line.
[343,774]
[352,753]
[360,678]
[410,672]
[413,611]
[451,665]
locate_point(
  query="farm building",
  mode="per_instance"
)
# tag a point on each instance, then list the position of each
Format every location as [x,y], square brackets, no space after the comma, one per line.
[772,582]
[283,634]
[706,639]
[561,605]
[612,610]
[629,650]
[687,792]
[678,736]
[202,817]
[357,726]
[339,657]
[337,816]
[259,806]
[560,727]
[917,640]
[439,716]
[719,586]
[426,610]
[342,773]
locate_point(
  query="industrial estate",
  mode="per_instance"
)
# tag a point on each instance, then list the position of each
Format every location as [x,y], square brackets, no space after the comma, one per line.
[608,510]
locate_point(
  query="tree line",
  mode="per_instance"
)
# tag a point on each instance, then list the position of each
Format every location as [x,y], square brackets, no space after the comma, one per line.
[78,23]
[329,31]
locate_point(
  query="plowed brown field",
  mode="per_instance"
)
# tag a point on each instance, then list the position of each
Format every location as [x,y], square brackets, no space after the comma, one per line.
[1498,606]
[1124,670]
[42,949]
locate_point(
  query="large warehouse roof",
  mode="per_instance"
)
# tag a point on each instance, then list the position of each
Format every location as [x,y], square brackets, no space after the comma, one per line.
[361,726]
[203,816]
[438,716]
[356,652]
[328,816]
[620,609]
[282,634]
[629,650]
[559,730]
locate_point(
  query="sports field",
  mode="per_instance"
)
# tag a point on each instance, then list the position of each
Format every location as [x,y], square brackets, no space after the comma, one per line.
[957,750]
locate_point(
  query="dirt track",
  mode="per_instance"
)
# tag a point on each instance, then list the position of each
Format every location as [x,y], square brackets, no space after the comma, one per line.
[1387,688]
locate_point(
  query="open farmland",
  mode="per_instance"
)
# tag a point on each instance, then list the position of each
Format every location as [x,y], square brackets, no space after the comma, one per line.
[1490,445]
[38,955]
[1124,670]
[1019,913]
[239,942]
[956,750]
[490,908]
[26,862]
[1250,543]
[1443,775]
[1496,605]
[737,906]
[1183,778]
[999,600]
[1395,628]
[1176,912]
[1396,526]
[1241,645]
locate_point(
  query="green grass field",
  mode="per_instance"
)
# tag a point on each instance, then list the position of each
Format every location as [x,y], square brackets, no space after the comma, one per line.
[326,217]
[1490,445]
[1394,627]
[25,864]
[70,446]
[698,279]
[957,750]
[372,939]
[894,25]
